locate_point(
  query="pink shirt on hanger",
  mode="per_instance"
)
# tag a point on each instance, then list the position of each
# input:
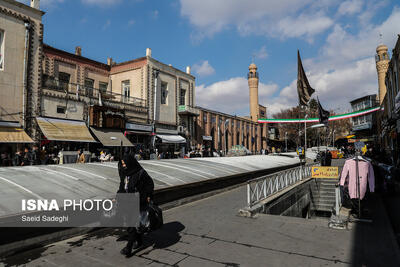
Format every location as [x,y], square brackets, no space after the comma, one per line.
[366,174]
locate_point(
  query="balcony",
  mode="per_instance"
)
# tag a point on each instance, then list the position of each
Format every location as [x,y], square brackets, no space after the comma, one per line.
[59,88]
[188,110]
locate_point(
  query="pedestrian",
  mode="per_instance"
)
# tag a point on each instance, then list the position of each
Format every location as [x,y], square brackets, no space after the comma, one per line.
[133,178]
[35,155]
[27,157]
[80,157]
[17,161]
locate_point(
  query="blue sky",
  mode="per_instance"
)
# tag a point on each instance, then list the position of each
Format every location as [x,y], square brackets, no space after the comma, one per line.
[219,38]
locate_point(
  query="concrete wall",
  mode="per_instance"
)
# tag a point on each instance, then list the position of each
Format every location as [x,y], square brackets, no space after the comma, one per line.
[135,76]
[166,113]
[75,109]
[12,17]
[296,203]
[11,76]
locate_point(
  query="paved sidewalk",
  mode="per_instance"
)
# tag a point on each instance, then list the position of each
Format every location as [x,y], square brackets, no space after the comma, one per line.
[209,233]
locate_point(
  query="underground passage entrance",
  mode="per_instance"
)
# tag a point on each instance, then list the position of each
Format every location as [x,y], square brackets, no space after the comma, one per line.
[311,199]
[291,193]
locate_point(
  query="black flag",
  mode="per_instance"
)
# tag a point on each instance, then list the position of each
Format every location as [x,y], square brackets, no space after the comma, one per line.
[323,114]
[303,87]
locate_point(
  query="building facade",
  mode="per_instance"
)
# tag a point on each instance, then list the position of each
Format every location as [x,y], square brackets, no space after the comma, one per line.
[390,123]
[364,126]
[220,131]
[21,36]
[168,92]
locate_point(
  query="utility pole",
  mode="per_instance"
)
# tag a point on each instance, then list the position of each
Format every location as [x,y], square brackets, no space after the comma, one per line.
[286,140]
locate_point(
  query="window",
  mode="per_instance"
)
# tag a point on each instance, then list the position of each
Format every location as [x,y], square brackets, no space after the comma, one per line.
[213,119]
[164,92]
[103,86]
[204,117]
[89,83]
[63,79]
[182,97]
[126,89]
[1,49]
[60,110]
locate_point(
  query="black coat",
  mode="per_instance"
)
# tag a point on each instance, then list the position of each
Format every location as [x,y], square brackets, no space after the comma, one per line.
[139,182]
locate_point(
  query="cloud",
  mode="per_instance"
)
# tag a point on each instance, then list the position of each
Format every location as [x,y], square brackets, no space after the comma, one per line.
[203,69]
[231,96]
[343,70]
[260,17]
[107,24]
[303,25]
[131,22]
[261,53]
[350,7]
[155,14]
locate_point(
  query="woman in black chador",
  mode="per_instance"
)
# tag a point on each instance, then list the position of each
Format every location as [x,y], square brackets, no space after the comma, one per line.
[134,179]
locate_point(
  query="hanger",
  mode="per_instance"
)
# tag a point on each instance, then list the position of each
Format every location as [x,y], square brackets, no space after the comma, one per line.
[360,158]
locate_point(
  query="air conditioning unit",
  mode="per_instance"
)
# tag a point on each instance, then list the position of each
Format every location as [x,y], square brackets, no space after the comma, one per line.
[181,129]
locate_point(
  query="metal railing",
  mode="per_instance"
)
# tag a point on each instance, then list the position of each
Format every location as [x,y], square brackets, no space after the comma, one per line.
[260,188]
[85,91]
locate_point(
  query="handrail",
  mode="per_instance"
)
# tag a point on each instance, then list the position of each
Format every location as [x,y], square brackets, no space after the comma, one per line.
[260,188]
[91,92]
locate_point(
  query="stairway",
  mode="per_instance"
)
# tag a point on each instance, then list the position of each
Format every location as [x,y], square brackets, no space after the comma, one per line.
[323,195]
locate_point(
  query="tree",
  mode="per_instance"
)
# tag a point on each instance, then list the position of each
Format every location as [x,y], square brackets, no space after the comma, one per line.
[315,136]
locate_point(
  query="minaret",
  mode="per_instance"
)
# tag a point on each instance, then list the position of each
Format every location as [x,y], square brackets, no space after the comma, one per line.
[253,88]
[382,64]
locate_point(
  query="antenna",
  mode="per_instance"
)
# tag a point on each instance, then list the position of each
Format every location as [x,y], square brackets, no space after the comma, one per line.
[252,58]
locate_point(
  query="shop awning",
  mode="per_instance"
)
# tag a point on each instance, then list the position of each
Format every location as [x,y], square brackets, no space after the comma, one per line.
[64,130]
[171,139]
[14,135]
[110,137]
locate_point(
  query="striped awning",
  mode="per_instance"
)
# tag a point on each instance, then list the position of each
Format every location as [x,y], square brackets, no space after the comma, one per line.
[64,130]
[14,135]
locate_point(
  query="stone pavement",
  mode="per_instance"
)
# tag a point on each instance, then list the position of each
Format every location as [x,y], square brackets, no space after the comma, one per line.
[209,233]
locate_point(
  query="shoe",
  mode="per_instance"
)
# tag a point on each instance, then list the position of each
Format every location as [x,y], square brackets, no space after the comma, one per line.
[126,251]
[137,244]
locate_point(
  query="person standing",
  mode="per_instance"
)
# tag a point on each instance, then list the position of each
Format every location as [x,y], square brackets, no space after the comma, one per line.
[17,161]
[27,158]
[133,178]
[35,156]
[80,157]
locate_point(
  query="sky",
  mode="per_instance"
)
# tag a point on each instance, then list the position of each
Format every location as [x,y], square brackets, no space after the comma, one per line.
[220,38]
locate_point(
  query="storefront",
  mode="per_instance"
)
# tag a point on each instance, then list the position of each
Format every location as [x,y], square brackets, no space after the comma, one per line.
[12,138]
[207,141]
[66,135]
[169,144]
[139,135]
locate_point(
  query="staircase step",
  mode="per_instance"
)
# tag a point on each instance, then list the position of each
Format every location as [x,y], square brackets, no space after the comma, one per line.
[324,207]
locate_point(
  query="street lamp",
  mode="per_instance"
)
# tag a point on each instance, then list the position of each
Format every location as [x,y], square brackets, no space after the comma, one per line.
[333,138]
[286,140]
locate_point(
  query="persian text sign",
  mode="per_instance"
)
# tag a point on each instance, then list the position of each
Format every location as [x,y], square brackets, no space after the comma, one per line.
[324,172]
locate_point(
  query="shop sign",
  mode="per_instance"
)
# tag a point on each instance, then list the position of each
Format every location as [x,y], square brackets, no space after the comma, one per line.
[112,113]
[324,172]
[166,131]
[207,138]
[138,127]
